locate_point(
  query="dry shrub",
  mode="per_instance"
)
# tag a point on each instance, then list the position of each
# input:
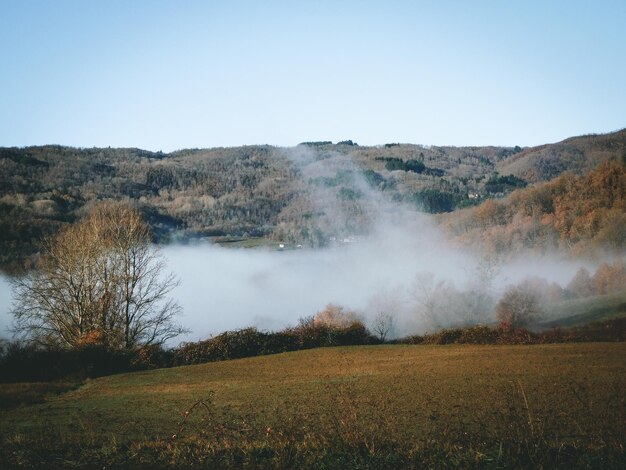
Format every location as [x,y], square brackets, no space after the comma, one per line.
[335,316]
[518,307]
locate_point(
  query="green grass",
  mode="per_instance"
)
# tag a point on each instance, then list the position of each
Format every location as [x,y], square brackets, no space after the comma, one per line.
[13,395]
[556,405]
[244,242]
[581,311]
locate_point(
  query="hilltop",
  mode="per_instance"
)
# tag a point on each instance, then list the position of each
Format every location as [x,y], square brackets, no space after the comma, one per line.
[307,195]
[578,155]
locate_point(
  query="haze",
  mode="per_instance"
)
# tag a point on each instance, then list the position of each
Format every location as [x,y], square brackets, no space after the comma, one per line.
[223,289]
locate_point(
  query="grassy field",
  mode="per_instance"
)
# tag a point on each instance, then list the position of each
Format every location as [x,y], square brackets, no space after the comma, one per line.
[582,311]
[244,242]
[354,407]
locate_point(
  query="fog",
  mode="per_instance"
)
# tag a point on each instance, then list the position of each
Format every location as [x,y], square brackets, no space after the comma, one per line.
[397,265]
[402,263]
[5,307]
[224,288]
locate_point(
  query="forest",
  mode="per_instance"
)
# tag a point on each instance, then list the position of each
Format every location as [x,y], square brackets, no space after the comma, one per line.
[568,195]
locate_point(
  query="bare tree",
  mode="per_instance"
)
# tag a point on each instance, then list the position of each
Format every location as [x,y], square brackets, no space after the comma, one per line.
[435,301]
[519,306]
[383,308]
[99,280]
[478,301]
[383,325]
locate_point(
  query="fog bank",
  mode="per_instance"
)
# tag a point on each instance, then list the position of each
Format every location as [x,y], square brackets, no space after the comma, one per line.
[385,258]
[5,307]
[224,289]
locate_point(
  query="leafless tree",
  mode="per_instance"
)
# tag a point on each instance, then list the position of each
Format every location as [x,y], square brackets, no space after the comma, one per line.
[99,280]
[478,302]
[384,307]
[434,300]
[519,306]
[383,325]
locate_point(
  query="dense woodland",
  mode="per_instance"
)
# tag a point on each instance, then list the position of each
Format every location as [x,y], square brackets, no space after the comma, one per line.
[583,215]
[568,195]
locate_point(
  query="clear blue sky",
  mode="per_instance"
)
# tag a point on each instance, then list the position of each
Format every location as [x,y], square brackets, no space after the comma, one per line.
[164,75]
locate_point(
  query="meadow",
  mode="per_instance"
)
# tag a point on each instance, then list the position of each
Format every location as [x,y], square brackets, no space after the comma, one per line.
[384,406]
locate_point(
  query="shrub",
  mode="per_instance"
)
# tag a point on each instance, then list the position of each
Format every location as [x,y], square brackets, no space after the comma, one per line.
[518,307]
[27,362]
[508,335]
[151,357]
[447,336]
[353,334]
[478,335]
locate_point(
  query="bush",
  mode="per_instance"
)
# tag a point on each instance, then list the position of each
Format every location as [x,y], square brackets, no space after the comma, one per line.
[21,362]
[151,357]
[478,335]
[250,342]
[518,307]
[508,335]
[24,362]
[447,336]
[354,334]
[608,330]
[232,345]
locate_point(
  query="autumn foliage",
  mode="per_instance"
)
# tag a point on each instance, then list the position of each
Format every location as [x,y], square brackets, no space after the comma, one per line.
[583,215]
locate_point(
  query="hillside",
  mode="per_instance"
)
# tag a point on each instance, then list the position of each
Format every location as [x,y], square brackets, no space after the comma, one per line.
[580,215]
[307,195]
[551,406]
[576,154]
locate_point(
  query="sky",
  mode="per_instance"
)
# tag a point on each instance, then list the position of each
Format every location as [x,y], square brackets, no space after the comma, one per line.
[166,75]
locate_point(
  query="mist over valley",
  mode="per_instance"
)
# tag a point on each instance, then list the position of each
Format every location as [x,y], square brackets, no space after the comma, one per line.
[397,229]
[305,235]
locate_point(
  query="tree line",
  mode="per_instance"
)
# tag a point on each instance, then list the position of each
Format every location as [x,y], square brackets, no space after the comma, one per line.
[241,192]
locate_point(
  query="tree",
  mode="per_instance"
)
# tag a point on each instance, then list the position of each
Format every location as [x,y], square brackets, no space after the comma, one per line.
[383,307]
[610,278]
[478,300]
[99,280]
[435,301]
[518,307]
[383,325]
[581,284]
[335,316]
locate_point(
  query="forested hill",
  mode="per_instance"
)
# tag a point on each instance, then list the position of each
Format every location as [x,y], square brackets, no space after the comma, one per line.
[583,215]
[577,155]
[306,195]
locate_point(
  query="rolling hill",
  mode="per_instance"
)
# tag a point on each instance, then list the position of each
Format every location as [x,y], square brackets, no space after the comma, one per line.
[306,195]
[578,155]
[556,406]
[578,215]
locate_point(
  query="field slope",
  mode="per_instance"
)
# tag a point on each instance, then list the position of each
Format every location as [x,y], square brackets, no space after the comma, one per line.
[376,406]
